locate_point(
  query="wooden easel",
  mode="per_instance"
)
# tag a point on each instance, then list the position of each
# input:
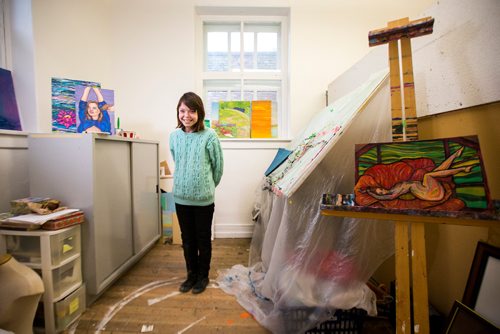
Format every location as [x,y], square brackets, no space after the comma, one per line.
[404,127]
[419,277]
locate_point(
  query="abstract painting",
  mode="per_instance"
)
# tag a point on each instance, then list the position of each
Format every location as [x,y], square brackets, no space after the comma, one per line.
[234,119]
[442,174]
[261,119]
[64,103]
[9,113]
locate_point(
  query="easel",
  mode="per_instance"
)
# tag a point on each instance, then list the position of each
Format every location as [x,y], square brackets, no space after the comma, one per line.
[419,271]
[404,127]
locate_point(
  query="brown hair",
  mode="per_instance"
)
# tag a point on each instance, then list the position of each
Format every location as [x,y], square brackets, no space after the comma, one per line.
[87,115]
[193,102]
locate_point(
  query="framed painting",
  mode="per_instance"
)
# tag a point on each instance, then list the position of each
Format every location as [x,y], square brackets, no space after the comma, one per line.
[443,174]
[482,291]
[463,319]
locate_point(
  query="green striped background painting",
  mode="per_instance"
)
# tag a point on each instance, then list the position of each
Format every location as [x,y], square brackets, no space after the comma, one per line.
[470,187]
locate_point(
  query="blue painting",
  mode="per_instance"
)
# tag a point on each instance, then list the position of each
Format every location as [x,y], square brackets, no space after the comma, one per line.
[64,103]
[95,109]
[9,113]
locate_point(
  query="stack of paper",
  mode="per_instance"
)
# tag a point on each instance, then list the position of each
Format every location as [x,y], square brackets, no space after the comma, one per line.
[34,221]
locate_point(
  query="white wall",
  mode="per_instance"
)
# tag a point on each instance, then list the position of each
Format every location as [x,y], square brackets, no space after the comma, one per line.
[455,67]
[145,51]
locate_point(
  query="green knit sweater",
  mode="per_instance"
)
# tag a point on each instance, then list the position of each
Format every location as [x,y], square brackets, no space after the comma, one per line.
[198,166]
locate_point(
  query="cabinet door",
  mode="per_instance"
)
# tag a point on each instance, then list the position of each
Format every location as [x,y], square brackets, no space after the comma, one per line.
[13,169]
[112,207]
[145,199]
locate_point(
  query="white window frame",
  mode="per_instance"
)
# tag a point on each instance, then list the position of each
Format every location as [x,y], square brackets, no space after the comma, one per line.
[282,75]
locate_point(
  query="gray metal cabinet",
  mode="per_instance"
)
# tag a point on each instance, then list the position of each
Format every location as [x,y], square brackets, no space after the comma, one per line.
[114,181]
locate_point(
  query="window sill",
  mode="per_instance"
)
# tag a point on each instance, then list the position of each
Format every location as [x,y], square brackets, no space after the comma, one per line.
[253,143]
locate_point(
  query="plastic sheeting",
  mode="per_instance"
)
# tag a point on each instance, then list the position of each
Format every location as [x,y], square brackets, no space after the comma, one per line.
[303,266]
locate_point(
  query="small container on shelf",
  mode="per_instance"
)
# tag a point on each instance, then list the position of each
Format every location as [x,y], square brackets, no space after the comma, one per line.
[27,248]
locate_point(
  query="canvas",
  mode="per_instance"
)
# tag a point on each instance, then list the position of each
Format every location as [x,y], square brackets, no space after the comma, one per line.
[9,113]
[319,136]
[64,103]
[443,174]
[106,114]
[261,119]
[233,119]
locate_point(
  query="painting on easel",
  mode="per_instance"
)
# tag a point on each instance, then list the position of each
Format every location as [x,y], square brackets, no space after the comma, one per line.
[443,174]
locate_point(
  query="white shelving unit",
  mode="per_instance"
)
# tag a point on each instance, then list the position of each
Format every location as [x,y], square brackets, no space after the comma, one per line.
[56,257]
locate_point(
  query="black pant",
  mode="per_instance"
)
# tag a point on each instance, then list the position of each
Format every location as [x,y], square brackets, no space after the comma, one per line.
[196,232]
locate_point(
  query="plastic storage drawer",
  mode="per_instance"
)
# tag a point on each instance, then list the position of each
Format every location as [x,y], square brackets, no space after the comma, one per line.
[65,277]
[69,308]
[27,249]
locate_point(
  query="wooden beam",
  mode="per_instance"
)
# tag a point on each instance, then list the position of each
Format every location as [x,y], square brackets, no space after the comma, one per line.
[403,313]
[410,114]
[411,29]
[463,221]
[419,279]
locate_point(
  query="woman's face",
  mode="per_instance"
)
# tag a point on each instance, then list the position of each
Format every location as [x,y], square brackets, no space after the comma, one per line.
[93,110]
[187,117]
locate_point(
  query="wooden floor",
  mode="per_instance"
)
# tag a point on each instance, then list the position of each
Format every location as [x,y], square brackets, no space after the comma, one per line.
[146,298]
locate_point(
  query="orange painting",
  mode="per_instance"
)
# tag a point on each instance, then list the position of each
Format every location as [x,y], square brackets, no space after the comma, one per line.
[261,119]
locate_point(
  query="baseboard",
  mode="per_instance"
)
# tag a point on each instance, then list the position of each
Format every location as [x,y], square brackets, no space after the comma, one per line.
[233,230]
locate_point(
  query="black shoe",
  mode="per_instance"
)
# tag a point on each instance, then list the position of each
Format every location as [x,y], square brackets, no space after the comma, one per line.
[200,285]
[187,285]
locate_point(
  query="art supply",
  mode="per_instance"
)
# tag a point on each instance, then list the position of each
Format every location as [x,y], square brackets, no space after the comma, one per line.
[128,134]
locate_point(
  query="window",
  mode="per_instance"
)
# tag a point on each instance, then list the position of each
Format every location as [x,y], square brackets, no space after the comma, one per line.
[245,59]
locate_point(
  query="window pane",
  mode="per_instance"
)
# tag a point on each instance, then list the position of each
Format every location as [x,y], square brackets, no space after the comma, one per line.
[219,44]
[217,49]
[218,90]
[248,95]
[235,51]
[235,95]
[249,41]
[267,51]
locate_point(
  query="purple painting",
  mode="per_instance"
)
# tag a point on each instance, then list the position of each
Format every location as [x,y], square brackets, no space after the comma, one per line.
[94,109]
[9,114]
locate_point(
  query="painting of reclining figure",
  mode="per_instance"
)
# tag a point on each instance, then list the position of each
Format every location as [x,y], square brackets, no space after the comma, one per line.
[443,174]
